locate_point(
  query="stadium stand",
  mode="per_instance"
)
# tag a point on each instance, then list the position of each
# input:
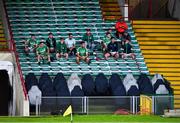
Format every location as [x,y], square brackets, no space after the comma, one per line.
[110,9]
[160,45]
[55,16]
[3,42]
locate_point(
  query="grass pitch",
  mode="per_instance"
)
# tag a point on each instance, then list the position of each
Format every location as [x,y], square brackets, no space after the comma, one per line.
[91,119]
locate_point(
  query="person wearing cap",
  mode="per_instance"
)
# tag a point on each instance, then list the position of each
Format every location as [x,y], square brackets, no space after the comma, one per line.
[82,53]
[88,39]
[112,49]
[61,49]
[106,40]
[51,43]
[42,52]
[120,27]
[31,44]
[71,44]
[127,46]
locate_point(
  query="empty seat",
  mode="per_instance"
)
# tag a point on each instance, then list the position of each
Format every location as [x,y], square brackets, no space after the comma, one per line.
[145,86]
[30,80]
[101,83]
[88,85]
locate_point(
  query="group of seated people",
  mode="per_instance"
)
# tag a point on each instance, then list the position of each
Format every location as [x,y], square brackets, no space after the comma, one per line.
[67,47]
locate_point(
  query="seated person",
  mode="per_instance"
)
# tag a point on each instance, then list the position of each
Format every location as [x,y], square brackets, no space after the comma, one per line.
[88,39]
[106,40]
[126,36]
[42,52]
[70,43]
[112,49]
[82,54]
[111,32]
[120,27]
[31,44]
[51,43]
[127,46]
[61,49]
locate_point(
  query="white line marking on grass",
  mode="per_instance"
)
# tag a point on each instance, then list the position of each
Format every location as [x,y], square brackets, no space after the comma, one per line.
[89,122]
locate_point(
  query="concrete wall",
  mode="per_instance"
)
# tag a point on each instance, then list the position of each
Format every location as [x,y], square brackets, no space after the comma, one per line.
[20,105]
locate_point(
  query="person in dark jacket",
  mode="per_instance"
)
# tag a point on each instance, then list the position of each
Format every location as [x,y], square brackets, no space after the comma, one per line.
[112,49]
[51,43]
[127,49]
[125,36]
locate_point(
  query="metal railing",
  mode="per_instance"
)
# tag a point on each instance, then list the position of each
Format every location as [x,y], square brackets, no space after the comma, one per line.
[104,105]
[12,48]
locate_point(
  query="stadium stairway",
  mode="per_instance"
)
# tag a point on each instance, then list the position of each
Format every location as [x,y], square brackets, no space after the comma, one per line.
[110,9]
[160,45]
[3,42]
[56,16]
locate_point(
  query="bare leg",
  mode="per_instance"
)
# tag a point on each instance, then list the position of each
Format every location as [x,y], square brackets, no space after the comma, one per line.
[87,60]
[57,56]
[66,55]
[116,56]
[77,60]
[133,55]
[123,55]
[106,55]
[49,60]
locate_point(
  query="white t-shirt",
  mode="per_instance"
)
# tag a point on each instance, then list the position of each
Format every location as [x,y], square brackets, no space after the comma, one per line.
[70,42]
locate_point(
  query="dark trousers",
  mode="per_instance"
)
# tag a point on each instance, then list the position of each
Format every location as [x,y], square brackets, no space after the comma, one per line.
[71,52]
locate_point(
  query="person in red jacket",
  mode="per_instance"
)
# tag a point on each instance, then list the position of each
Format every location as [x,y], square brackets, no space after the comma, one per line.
[121,27]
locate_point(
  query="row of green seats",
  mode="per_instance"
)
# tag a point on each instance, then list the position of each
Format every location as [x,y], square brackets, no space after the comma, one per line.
[79,69]
[54,21]
[56,4]
[36,17]
[14,1]
[59,13]
[55,9]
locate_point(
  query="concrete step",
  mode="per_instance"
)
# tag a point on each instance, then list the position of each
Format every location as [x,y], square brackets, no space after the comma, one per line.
[166,52]
[157,30]
[160,47]
[168,43]
[146,22]
[163,56]
[156,26]
[159,38]
[157,34]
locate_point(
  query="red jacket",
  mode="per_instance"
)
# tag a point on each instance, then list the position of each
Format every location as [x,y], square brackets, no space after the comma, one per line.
[121,27]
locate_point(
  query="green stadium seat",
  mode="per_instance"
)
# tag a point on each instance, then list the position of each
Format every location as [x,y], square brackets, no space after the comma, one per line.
[104,69]
[35,69]
[94,69]
[84,69]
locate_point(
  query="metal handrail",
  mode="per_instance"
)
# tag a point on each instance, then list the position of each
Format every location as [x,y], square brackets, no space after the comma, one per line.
[13,49]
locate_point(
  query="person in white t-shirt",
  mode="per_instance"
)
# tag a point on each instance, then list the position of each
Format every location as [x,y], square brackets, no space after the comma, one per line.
[71,42]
